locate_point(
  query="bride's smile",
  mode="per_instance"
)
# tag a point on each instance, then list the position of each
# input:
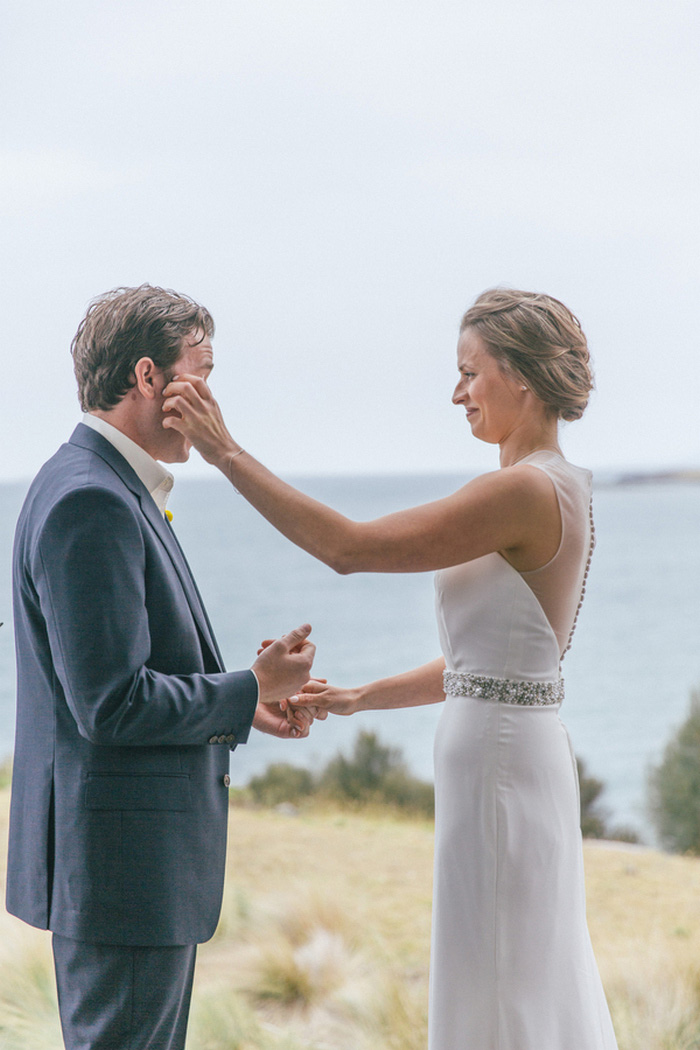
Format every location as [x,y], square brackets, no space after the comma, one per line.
[496,403]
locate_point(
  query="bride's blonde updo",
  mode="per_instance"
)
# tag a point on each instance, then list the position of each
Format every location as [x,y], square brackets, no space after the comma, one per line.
[537,339]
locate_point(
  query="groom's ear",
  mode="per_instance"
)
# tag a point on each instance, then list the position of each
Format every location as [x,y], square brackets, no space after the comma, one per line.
[148,378]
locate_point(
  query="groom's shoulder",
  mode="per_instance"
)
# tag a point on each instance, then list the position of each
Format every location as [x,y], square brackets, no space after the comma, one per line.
[75,477]
[77,464]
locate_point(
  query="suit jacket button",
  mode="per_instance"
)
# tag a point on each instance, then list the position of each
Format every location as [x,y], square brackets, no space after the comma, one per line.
[222,739]
[227,780]
[213,740]
[231,738]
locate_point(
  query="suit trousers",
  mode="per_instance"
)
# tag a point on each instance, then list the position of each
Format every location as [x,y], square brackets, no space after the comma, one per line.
[121,997]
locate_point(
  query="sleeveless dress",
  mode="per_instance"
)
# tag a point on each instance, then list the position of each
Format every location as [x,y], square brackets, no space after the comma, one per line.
[512,967]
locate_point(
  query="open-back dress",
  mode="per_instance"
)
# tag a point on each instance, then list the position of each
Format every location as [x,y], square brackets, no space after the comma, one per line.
[512,967]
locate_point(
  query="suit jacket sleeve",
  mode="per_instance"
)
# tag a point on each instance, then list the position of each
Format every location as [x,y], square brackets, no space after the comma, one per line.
[89,569]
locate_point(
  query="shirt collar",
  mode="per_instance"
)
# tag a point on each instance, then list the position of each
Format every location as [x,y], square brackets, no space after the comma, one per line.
[153,474]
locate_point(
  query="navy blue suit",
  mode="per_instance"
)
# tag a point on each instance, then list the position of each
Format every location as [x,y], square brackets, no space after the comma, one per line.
[125,715]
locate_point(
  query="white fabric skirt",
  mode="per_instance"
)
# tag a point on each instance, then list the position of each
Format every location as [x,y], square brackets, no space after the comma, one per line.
[512,966]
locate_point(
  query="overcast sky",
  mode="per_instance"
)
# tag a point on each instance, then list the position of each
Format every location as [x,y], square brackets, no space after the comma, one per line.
[337,181]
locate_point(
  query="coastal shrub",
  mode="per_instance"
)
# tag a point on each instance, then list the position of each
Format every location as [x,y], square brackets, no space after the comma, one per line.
[372,774]
[402,790]
[375,773]
[594,817]
[281,782]
[674,786]
[361,776]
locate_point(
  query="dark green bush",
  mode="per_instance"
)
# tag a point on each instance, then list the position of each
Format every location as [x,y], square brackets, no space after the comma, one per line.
[362,775]
[594,818]
[674,786]
[402,790]
[375,774]
[281,782]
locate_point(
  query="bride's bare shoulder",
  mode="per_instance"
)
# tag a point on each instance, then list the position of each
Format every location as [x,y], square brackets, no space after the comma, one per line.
[520,482]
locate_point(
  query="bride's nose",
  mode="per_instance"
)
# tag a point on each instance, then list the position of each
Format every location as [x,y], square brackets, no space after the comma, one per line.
[459,392]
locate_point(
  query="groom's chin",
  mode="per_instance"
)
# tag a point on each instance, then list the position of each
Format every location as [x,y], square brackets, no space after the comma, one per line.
[177,455]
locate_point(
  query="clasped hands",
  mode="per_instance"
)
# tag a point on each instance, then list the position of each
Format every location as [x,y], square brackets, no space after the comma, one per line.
[290,699]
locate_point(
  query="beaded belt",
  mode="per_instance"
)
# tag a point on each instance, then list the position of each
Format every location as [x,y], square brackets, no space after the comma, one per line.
[503,690]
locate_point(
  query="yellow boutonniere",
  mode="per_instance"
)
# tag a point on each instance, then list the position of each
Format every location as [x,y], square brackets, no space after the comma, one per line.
[168,514]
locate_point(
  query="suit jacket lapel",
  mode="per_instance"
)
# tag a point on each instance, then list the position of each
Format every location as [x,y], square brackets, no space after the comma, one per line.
[210,636]
[90,439]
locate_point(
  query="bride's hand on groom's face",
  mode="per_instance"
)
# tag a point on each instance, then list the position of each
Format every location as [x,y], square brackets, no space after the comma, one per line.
[190,408]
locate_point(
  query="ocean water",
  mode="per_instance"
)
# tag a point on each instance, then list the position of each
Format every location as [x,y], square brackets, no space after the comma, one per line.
[635,658]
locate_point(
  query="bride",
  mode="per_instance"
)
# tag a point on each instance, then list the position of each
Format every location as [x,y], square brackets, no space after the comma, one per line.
[512,966]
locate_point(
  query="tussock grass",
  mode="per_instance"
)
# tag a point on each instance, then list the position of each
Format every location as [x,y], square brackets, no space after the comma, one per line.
[308,973]
[324,940]
[221,1021]
[656,1006]
[644,915]
[28,1008]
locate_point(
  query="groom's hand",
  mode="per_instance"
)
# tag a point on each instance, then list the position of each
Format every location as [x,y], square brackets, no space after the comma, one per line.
[273,719]
[299,717]
[284,665]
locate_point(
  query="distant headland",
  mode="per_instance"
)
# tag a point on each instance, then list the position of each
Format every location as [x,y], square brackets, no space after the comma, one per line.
[643,477]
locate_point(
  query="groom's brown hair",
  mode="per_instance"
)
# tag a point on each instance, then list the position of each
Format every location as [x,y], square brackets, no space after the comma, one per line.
[124,325]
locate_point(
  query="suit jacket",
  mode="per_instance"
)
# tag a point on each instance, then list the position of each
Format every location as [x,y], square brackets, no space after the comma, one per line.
[125,715]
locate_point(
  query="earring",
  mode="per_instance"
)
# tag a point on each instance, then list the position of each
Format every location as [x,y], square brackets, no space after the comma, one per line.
[523,388]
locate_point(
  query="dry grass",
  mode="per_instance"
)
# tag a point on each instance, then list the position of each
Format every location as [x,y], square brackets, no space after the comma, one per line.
[323,942]
[644,916]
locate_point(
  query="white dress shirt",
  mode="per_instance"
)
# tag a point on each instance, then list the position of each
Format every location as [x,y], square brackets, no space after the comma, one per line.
[158,481]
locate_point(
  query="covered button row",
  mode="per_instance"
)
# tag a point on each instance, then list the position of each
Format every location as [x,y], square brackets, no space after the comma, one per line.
[225,738]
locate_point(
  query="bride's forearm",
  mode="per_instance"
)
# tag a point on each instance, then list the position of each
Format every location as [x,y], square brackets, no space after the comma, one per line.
[189,408]
[483,516]
[318,529]
[423,685]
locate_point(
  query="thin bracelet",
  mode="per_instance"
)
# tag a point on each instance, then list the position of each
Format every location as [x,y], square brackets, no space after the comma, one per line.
[233,456]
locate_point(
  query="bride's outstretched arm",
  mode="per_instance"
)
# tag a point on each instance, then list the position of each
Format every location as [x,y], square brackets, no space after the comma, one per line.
[505,510]
[410,689]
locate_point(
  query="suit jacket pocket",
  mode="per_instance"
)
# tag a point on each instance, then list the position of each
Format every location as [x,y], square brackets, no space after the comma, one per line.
[165,791]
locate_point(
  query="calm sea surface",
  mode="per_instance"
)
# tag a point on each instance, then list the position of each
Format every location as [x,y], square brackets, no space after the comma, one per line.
[635,658]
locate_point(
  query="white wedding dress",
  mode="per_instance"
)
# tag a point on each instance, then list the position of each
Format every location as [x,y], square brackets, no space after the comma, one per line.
[512,967]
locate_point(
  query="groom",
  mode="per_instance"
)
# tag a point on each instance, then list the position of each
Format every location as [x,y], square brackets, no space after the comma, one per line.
[125,715]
